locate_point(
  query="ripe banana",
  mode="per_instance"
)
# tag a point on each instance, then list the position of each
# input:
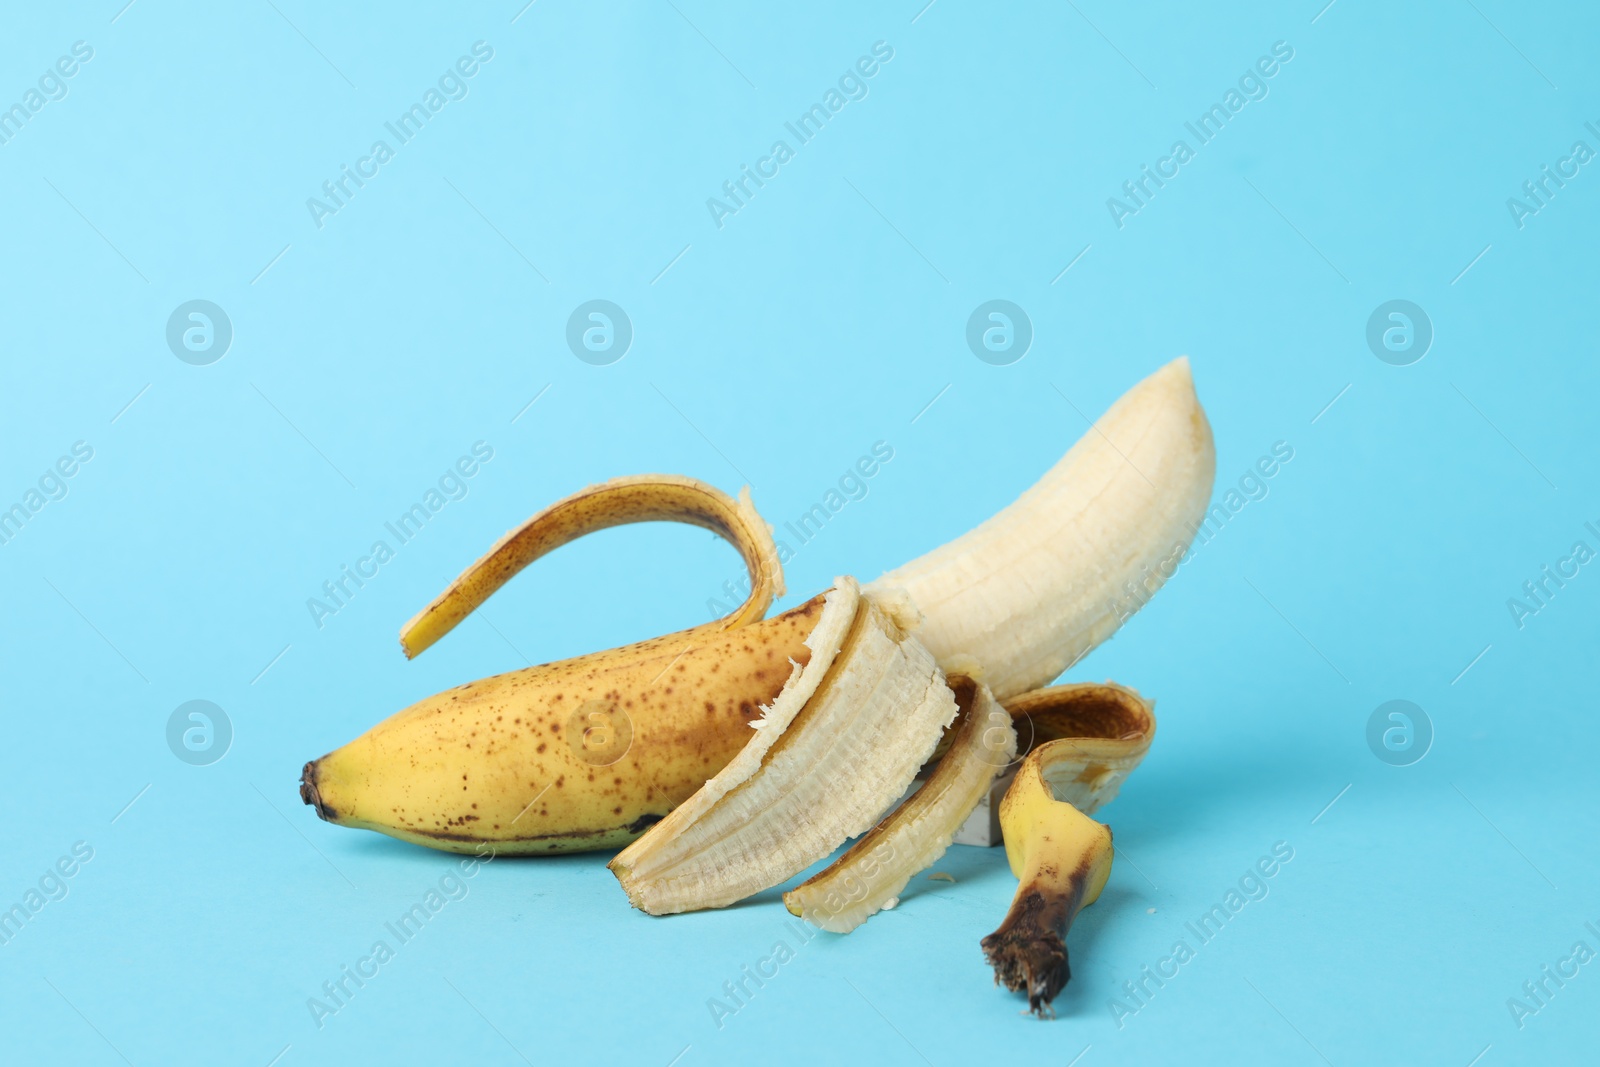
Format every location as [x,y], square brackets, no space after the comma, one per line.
[1088,739]
[746,749]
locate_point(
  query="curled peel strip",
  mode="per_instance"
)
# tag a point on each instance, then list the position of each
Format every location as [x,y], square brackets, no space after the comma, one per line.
[618,502]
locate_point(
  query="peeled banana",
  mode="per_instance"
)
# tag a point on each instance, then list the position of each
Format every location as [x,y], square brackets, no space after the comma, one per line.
[587,753]
[737,753]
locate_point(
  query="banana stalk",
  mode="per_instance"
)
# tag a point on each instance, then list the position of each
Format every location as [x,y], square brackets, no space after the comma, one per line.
[1088,738]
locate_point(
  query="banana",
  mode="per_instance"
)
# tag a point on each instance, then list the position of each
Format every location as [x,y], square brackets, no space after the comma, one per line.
[1088,738]
[1035,588]
[589,753]
[737,753]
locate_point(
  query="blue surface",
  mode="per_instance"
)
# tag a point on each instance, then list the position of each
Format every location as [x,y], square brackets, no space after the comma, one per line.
[369,352]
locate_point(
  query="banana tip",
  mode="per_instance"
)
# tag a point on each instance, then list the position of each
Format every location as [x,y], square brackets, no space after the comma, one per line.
[1179,369]
[309,794]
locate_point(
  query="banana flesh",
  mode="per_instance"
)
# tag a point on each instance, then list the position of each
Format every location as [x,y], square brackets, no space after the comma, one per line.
[1031,591]
[1089,737]
[879,865]
[840,743]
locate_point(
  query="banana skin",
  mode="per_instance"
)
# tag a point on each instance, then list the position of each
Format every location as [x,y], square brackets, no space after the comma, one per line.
[585,753]
[581,754]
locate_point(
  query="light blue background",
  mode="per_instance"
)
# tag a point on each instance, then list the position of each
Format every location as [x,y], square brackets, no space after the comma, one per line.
[822,318]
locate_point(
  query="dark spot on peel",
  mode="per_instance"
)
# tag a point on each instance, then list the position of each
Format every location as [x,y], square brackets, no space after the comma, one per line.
[643,823]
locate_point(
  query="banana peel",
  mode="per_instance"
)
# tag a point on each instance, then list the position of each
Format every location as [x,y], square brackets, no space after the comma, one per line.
[871,875]
[840,743]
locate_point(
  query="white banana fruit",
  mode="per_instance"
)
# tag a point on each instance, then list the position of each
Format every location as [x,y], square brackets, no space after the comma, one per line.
[1035,588]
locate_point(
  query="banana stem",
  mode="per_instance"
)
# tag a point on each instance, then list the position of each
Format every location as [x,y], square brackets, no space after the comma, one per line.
[1085,740]
[1064,869]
